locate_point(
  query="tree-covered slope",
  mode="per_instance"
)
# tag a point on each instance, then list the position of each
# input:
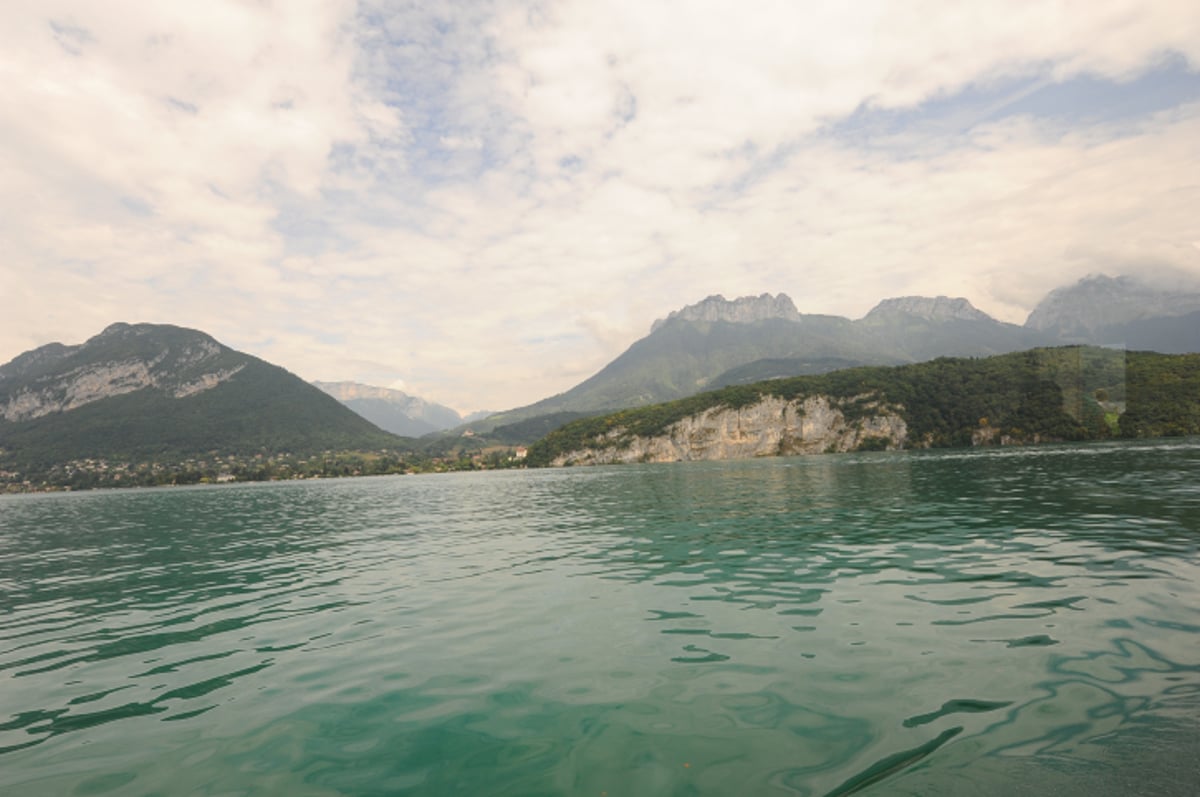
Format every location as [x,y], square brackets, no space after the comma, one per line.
[1071,393]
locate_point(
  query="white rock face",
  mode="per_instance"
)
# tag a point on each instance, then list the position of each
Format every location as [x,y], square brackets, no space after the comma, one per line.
[92,384]
[772,427]
[95,381]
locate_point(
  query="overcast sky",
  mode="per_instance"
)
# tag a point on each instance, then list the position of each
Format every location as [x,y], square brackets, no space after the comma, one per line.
[482,203]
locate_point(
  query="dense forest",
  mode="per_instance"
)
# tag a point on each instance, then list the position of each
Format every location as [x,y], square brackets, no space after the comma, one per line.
[1054,394]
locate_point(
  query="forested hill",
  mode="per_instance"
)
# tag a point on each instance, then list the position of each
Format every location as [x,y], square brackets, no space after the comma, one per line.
[1054,394]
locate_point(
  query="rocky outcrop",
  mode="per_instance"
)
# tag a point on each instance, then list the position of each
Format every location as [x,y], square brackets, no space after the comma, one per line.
[771,427]
[930,308]
[205,382]
[744,310]
[124,358]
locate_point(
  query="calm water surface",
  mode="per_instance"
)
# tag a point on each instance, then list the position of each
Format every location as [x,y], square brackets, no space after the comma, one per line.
[993,623]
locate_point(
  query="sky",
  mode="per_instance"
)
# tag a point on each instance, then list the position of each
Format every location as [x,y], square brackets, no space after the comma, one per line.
[483,203]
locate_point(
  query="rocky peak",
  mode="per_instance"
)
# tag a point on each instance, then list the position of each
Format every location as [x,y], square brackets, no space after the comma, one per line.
[1098,300]
[931,308]
[743,310]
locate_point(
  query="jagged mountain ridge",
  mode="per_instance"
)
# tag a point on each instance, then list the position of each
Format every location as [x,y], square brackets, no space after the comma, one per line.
[718,341]
[144,390]
[393,410]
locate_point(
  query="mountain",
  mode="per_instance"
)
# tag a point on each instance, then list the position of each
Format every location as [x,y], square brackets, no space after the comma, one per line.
[718,342]
[1040,395]
[936,308]
[919,328]
[745,310]
[683,354]
[393,410]
[1123,311]
[139,391]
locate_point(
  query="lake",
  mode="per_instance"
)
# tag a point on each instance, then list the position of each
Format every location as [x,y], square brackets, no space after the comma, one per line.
[986,622]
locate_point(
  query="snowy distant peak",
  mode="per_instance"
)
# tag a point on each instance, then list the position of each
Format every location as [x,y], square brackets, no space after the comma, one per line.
[1098,300]
[743,310]
[931,308]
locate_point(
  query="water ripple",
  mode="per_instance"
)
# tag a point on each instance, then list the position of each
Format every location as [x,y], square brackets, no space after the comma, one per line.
[936,623]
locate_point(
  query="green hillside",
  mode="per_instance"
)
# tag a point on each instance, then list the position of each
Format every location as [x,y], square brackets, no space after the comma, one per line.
[1071,393]
[259,409]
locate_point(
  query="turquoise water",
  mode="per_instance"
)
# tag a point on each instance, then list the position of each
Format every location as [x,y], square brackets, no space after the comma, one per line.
[999,622]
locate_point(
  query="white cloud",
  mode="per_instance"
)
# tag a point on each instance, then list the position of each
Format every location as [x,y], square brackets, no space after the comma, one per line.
[489,201]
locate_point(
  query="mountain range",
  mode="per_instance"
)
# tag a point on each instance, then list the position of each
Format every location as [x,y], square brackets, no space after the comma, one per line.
[718,342]
[1065,393]
[141,391]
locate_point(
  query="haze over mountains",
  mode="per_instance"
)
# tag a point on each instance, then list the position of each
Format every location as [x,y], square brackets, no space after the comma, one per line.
[1121,311]
[393,410]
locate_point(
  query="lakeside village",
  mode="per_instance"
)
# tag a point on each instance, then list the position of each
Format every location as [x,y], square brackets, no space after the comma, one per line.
[88,474]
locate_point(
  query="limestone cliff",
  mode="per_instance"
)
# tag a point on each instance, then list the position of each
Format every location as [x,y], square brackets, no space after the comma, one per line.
[743,310]
[930,308]
[771,427]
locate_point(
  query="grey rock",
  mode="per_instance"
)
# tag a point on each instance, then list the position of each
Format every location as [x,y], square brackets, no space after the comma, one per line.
[57,378]
[930,308]
[1080,311]
[771,427]
[744,310]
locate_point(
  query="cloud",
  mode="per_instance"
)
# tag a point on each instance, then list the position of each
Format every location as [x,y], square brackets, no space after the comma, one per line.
[489,201]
